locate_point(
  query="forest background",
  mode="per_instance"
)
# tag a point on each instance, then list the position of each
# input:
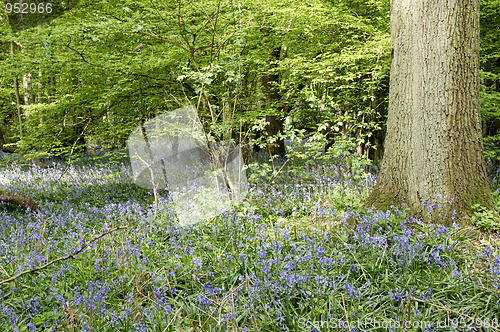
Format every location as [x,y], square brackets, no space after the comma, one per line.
[102,254]
[88,78]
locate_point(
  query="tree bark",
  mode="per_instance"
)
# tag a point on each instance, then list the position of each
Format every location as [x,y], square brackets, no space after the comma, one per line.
[22,201]
[28,89]
[270,81]
[272,129]
[434,144]
[16,90]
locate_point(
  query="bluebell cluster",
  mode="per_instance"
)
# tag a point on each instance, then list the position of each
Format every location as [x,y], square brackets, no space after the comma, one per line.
[282,255]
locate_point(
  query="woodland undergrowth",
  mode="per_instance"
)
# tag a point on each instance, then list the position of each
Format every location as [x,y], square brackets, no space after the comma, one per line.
[93,258]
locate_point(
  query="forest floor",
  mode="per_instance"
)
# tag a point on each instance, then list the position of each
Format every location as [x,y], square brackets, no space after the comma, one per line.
[95,258]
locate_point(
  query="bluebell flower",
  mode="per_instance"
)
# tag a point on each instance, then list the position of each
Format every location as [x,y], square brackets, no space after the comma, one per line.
[196,263]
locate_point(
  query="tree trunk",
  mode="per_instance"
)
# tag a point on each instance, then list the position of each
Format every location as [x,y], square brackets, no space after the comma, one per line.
[16,90]
[378,139]
[22,201]
[270,81]
[434,143]
[28,89]
[274,127]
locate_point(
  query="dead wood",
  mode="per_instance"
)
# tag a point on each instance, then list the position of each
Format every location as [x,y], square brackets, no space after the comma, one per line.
[20,200]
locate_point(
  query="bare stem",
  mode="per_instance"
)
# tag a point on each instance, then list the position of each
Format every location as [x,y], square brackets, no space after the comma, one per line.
[61,258]
[154,191]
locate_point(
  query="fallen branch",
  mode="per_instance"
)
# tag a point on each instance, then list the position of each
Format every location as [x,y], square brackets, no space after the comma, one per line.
[23,201]
[7,149]
[61,258]
[39,164]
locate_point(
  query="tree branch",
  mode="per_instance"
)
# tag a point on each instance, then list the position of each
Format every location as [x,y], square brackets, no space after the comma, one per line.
[61,258]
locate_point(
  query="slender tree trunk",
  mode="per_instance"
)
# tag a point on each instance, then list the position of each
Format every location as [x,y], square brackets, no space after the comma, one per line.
[434,143]
[51,91]
[39,94]
[28,87]
[18,106]
[378,139]
[270,81]
[18,101]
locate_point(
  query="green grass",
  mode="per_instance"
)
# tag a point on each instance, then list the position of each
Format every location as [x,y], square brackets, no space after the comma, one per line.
[284,260]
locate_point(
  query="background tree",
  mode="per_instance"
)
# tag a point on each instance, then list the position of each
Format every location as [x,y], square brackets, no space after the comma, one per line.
[490,80]
[332,67]
[91,88]
[433,144]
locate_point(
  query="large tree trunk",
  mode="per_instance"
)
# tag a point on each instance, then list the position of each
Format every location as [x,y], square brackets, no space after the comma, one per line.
[434,143]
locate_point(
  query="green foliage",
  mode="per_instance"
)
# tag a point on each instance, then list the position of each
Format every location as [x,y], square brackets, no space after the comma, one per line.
[354,166]
[347,81]
[490,77]
[344,198]
[84,71]
[485,219]
[259,172]
[302,155]
[85,84]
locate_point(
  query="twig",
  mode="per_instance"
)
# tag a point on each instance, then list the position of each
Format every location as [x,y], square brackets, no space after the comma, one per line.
[72,149]
[175,316]
[345,311]
[154,191]
[42,230]
[406,310]
[383,255]
[455,312]
[221,303]
[489,290]
[175,305]
[61,258]
[276,173]
[353,256]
